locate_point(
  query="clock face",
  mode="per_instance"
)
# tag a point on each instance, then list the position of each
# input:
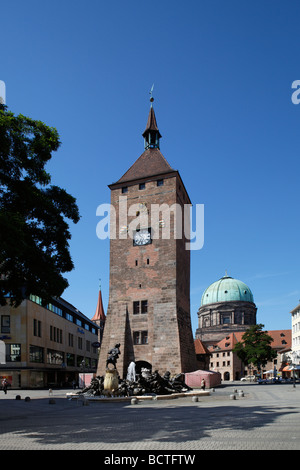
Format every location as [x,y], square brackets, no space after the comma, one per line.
[142,237]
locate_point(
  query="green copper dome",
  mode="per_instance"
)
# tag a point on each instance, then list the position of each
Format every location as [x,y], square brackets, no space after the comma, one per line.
[227,289]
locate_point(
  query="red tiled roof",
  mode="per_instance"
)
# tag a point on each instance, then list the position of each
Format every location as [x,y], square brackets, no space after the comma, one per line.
[200,348]
[150,163]
[282,339]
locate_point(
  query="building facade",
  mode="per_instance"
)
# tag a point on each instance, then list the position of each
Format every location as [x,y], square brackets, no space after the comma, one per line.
[222,359]
[46,345]
[148,312]
[227,306]
[296,335]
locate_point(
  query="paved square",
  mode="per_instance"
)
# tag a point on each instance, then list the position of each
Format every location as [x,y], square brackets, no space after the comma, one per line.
[267,417]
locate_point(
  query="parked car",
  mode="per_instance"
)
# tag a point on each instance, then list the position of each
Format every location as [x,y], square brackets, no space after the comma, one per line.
[248,378]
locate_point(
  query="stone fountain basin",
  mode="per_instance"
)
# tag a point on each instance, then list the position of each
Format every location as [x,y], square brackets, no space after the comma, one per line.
[74,396]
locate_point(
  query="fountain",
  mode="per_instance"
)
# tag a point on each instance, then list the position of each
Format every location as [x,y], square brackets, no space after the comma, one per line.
[131,377]
[145,384]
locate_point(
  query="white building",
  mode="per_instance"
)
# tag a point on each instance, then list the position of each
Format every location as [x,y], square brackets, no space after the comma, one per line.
[296,334]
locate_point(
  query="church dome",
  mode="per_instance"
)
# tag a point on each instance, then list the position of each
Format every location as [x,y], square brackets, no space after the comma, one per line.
[227,289]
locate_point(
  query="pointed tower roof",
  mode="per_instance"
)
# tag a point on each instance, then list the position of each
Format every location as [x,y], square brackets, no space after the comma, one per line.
[99,314]
[150,163]
[151,123]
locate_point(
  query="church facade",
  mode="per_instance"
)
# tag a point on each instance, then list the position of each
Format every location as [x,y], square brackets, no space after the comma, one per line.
[227,306]
[148,311]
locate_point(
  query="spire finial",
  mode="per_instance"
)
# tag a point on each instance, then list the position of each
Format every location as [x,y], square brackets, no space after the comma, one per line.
[151,93]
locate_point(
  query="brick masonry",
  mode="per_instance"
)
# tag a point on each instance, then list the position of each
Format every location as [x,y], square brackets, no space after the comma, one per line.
[159,273]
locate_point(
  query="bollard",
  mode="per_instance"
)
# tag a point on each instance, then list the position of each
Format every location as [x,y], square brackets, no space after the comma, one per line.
[232,396]
[18,397]
[241,393]
[27,399]
[134,401]
[50,392]
[194,399]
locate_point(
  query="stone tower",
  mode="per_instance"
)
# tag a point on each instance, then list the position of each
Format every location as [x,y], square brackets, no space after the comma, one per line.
[149,292]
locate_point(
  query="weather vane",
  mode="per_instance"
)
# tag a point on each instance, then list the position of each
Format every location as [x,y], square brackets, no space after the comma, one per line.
[151,93]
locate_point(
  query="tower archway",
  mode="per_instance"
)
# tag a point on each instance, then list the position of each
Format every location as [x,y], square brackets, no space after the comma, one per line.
[139,365]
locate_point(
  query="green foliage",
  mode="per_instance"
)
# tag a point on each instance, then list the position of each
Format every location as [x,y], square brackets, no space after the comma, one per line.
[34,248]
[255,347]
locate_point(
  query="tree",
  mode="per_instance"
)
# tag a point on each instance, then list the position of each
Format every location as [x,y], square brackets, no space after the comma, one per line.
[34,233]
[255,347]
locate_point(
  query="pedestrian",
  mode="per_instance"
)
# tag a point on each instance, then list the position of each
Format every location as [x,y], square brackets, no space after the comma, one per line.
[202,384]
[74,384]
[4,385]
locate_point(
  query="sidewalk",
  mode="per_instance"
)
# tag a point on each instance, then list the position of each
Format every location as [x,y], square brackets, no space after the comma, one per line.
[267,417]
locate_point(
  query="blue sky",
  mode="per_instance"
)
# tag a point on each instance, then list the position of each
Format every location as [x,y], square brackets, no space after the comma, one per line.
[223,73]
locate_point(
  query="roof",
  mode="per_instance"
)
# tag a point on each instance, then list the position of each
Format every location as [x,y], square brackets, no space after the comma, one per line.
[281,340]
[227,289]
[151,123]
[150,163]
[200,348]
[99,314]
[228,342]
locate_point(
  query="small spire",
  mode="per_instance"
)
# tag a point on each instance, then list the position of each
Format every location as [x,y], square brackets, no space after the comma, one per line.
[151,134]
[99,314]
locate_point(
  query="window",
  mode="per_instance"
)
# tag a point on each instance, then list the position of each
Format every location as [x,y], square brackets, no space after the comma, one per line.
[70,359]
[124,189]
[36,299]
[160,182]
[88,345]
[144,337]
[55,334]
[55,309]
[13,352]
[78,322]
[71,339]
[37,328]
[136,308]
[36,354]
[79,342]
[5,324]
[144,306]
[142,186]
[55,357]
[140,306]
[69,317]
[80,361]
[140,337]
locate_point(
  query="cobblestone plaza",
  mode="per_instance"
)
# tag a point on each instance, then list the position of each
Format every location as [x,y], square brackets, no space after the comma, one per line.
[267,417]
